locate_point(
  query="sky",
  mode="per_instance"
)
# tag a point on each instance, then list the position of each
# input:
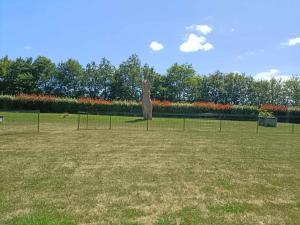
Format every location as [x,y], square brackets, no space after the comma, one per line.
[257,37]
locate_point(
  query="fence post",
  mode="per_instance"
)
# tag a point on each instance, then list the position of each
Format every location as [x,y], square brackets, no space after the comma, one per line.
[87,120]
[110,122]
[220,129]
[38,125]
[257,126]
[78,121]
[99,123]
[184,124]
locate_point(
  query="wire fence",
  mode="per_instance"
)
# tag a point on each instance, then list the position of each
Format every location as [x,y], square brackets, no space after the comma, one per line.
[19,121]
[34,121]
[182,122]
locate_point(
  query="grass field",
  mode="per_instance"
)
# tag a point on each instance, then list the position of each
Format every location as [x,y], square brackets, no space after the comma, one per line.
[175,173]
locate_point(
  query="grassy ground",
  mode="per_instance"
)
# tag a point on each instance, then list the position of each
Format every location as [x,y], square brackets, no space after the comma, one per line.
[128,175]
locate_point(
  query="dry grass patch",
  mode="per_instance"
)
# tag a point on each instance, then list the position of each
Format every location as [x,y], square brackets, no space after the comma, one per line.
[95,177]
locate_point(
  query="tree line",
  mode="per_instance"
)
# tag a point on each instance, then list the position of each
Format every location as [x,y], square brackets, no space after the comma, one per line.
[104,80]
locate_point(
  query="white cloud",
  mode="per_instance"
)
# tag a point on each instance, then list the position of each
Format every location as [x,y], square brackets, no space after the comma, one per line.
[203,29]
[272,73]
[292,41]
[195,43]
[156,46]
[27,47]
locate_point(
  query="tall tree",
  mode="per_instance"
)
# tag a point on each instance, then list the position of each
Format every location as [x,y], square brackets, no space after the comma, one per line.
[215,87]
[5,63]
[71,79]
[156,81]
[236,88]
[20,77]
[127,80]
[292,91]
[276,92]
[261,92]
[45,70]
[99,78]
[177,79]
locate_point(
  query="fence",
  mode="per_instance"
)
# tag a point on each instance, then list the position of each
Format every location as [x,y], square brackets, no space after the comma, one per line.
[183,122]
[33,121]
[19,121]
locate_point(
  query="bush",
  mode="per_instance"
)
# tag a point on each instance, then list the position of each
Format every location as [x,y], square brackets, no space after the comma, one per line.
[266,114]
[52,104]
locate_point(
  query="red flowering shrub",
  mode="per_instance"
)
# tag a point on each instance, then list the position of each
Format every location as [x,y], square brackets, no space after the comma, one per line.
[94,101]
[55,104]
[161,103]
[270,107]
[214,106]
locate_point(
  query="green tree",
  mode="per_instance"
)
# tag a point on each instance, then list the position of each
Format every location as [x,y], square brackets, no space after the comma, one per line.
[127,80]
[99,79]
[156,80]
[292,91]
[214,86]
[5,63]
[193,84]
[21,78]
[261,92]
[70,79]
[45,70]
[177,81]
[236,88]
[276,92]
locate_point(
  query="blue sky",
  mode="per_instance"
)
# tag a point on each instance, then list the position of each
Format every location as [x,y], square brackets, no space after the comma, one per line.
[251,36]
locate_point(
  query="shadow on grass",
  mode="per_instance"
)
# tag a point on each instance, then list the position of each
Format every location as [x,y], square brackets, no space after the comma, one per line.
[135,121]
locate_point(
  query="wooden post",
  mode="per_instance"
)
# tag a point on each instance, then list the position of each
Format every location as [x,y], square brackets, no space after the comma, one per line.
[87,120]
[110,122]
[78,121]
[38,127]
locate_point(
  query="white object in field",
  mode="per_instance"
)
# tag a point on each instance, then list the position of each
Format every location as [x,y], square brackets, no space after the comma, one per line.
[1,119]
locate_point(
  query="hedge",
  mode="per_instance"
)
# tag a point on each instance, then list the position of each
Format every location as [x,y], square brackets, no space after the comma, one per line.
[51,104]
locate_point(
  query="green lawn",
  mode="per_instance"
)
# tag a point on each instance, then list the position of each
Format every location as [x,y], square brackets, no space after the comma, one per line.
[178,172]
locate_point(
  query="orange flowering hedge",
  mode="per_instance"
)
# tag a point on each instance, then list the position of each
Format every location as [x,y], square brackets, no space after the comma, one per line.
[46,103]
[94,101]
[213,106]
[274,108]
[161,103]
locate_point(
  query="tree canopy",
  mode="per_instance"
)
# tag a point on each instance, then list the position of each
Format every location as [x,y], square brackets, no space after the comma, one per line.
[104,80]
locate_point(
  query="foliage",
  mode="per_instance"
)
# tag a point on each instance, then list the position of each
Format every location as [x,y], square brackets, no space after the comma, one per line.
[161,103]
[94,101]
[213,106]
[46,103]
[274,108]
[266,114]
[103,80]
[34,97]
